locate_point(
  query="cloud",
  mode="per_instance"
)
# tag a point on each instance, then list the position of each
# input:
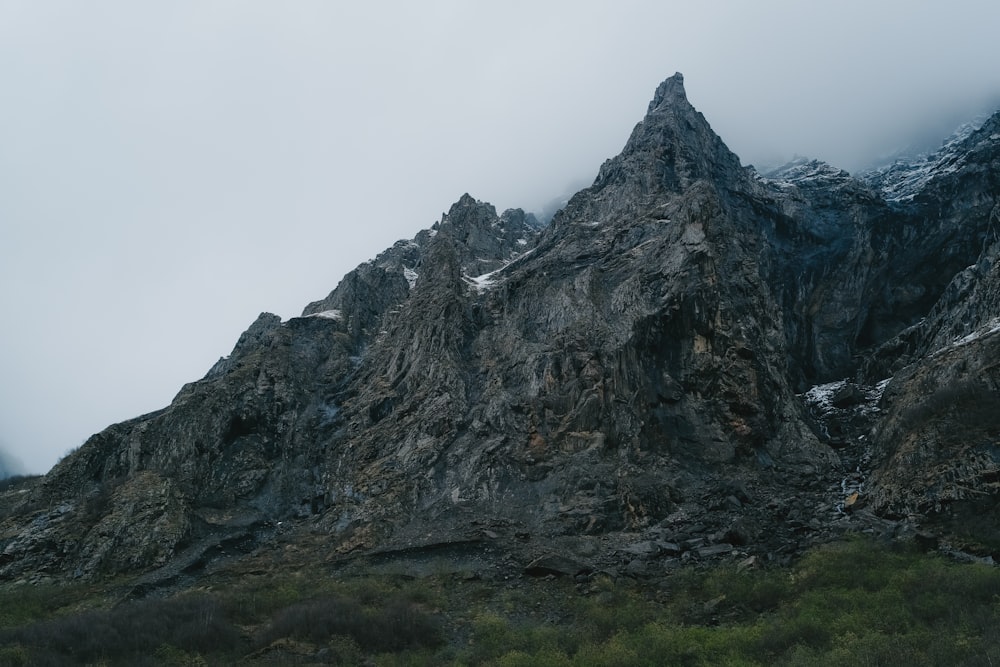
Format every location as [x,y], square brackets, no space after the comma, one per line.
[9,466]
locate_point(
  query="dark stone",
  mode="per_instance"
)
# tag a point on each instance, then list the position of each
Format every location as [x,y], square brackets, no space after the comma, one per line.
[646,549]
[743,531]
[715,550]
[926,540]
[553,564]
[847,396]
[669,548]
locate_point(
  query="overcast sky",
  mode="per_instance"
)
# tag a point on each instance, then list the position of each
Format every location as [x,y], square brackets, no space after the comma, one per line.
[168,170]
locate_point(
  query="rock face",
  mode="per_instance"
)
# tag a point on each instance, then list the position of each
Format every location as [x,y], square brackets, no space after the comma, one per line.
[938,443]
[624,385]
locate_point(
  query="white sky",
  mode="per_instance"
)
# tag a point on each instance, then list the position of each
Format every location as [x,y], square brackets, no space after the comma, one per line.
[169,170]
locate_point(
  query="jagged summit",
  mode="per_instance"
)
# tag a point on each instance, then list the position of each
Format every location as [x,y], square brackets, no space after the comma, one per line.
[669,93]
[669,150]
[629,384]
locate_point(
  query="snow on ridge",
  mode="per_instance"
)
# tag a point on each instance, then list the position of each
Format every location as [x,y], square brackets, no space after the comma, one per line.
[988,329]
[905,178]
[484,282]
[903,181]
[803,170]
[333,314]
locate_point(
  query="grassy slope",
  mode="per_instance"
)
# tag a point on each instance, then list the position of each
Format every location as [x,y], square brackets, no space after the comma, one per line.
[849,603]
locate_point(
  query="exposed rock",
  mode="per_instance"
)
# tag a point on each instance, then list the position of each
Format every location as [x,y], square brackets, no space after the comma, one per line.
[690,358]
[715,550]
[556,565]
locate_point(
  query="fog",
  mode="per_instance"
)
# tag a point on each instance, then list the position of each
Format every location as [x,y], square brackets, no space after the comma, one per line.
[9,466]
[169,170]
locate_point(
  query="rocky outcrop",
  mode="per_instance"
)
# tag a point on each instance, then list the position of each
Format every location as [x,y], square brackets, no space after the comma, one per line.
[937,443]
[625,385]
[247,446]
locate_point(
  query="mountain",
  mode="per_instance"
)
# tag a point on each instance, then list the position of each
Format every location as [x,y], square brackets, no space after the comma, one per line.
[691,360]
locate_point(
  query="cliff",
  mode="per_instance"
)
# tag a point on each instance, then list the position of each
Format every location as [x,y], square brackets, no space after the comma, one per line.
[691,360]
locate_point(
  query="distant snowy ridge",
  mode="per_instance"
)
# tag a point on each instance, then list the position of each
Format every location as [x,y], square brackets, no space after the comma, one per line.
[802,171]
[905,177]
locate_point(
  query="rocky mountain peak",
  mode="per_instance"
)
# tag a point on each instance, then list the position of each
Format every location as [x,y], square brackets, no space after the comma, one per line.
[672,148]
[467,216]
[669,93]
[628,384]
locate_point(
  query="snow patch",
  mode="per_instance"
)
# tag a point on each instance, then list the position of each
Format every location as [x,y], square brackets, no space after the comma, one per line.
[822,395]
[988,329]
[328,315]
[522,242]
[411,276]
[484,282]
[904,179]
[880,388]
[803,171]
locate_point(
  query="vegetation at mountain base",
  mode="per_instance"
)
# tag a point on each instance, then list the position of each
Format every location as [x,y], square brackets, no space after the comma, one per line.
[853,602]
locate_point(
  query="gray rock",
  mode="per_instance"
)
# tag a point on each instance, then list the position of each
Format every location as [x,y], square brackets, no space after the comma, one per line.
[645,549]
[553,564]
[715,550]
[636,366]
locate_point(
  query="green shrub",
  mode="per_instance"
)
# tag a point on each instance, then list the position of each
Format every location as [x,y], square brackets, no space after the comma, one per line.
[858,602]
[755,592]
[24,604]
[395,626]
[130,632]
[14,656]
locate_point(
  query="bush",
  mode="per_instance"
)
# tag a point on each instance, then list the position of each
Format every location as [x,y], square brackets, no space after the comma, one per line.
[396,626]
[858,602]
[130,632]
[20,605]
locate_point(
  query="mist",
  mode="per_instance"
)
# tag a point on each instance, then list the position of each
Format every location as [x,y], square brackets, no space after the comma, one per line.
[170,170]
[9,466]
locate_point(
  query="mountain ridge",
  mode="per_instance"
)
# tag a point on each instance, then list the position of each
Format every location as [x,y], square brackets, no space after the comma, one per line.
[634,373]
